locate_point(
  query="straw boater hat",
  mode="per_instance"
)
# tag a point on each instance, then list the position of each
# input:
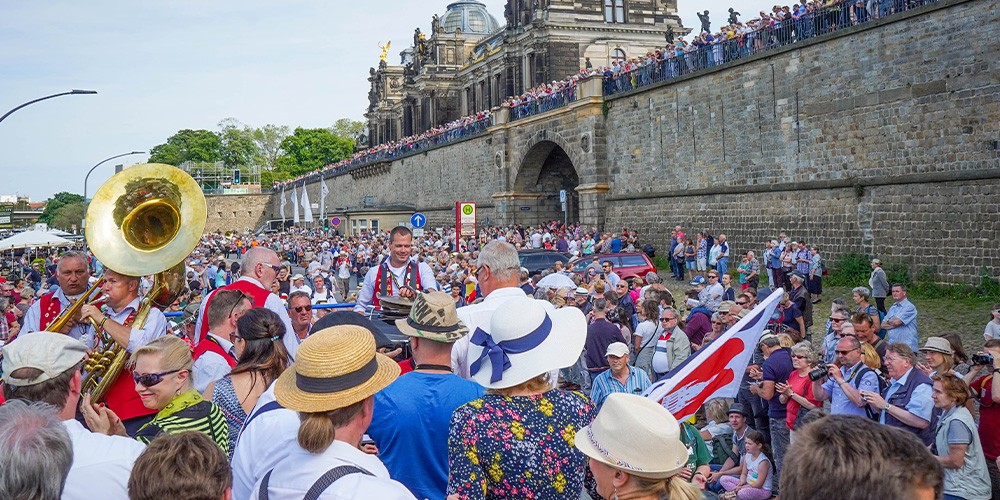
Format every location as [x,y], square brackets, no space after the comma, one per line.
[635,435]
[334,368]
[523,341]
[433,316]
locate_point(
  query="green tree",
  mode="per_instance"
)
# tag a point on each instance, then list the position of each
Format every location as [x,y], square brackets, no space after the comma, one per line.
[188,145]
[237,144]
[311,149]
[268,140]
[68,216]
[57,201]
[348,128]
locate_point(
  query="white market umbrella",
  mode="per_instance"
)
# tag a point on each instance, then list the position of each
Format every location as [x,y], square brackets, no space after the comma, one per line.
[34,239]
[556,280]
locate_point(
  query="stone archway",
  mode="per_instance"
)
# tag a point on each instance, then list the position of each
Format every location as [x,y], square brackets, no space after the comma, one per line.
[545,170]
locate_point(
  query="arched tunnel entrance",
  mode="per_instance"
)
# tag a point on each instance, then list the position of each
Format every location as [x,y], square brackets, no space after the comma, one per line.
[545,171]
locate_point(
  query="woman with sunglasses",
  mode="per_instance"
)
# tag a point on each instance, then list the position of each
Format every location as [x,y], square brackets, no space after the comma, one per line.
[261,357]
[162,373]
[797,393]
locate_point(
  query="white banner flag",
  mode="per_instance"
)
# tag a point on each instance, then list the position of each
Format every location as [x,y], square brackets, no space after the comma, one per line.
[716,370]
[284,201]
[295,205]
[307,211]
[323,191]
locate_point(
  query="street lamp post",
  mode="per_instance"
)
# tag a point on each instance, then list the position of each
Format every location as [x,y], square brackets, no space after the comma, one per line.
[72,92]
[83,223]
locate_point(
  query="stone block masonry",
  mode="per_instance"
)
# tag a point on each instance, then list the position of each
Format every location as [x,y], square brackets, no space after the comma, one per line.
[882,139]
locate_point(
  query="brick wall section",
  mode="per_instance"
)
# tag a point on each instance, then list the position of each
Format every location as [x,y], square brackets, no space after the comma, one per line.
[882,139]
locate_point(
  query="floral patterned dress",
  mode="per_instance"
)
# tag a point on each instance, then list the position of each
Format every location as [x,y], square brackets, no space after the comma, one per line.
[518,447]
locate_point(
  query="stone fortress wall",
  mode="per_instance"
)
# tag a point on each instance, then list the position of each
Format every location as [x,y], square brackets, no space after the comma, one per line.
[882,139]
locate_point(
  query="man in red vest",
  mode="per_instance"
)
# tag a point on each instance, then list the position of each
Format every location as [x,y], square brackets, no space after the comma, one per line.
[398,275]
[115,318]
[215,356]
[259,269]
[73,274]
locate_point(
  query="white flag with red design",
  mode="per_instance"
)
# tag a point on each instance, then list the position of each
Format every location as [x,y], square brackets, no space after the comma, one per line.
[716,370]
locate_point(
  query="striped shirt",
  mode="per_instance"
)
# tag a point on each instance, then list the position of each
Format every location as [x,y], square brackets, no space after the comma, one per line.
[605,384]
[188,412]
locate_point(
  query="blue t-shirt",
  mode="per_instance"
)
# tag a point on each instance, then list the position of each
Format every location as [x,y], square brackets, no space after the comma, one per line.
[410,428]
[776,368]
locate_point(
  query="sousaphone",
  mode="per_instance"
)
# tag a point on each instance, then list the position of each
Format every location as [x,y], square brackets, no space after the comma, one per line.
[143,221]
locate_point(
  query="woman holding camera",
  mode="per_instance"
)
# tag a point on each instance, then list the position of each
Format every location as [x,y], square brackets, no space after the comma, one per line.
[797,393]
[984,378]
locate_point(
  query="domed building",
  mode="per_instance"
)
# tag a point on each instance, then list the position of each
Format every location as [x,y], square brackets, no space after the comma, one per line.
[470,62]
[469,17]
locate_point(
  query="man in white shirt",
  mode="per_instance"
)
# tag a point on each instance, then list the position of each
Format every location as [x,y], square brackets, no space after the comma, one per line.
[215,357]
[73,275]
[396,276]
[299,285]
[498,276]
[321,294]
[268,435]
[46,367]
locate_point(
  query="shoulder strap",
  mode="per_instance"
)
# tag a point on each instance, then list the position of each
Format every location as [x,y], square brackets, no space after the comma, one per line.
[273,405]
[262,494]
[331,477]
[652,336]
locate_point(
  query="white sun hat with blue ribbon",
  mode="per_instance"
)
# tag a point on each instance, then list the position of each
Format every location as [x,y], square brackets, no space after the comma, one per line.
[524,341]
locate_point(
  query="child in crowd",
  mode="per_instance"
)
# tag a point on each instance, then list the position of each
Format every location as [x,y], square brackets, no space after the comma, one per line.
[754,482]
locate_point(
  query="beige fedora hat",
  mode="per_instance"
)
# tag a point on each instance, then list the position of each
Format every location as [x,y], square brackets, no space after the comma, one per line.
[523,341]
[634,434]
[434,317]
[334,368]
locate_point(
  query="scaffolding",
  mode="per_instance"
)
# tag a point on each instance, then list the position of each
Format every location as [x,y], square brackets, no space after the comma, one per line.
[217,178]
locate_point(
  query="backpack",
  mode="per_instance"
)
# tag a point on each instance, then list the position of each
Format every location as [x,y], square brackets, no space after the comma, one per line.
[722,448]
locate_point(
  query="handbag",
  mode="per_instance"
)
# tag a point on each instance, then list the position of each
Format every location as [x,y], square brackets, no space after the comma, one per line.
[654,335]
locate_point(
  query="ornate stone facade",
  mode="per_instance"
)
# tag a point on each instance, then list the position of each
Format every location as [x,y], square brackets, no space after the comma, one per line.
[470,63]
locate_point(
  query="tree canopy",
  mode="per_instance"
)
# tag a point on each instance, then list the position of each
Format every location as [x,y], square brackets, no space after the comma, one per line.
[57,201]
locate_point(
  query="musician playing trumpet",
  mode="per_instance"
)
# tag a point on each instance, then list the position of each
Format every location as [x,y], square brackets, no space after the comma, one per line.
[73,275]
[115,318]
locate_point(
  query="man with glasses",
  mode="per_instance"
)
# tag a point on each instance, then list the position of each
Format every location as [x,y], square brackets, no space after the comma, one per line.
[300,310]
[215,357]
[258,270]
[709,292]
[846,380]
[907,402]
[838,318]
[46,367]
[608,270]
[864,329]
[673,345]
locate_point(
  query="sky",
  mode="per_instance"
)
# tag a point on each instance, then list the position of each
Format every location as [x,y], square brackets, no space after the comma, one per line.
[160,67]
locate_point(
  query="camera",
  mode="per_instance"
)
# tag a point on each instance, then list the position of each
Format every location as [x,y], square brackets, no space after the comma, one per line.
[819,373]
[982,359]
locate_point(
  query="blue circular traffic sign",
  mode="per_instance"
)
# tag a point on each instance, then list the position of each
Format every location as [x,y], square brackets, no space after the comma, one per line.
[418,220]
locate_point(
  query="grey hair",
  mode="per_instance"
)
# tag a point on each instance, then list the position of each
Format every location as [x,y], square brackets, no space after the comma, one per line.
[254,256]
[805,349]
[716,316]
[861,291]
[35,451]
[501,258]
[73,254]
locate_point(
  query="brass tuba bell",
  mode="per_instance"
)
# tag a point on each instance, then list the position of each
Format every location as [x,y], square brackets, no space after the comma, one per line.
[143,221]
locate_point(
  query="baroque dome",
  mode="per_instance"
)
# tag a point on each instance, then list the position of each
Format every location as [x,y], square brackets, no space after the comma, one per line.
[469,16]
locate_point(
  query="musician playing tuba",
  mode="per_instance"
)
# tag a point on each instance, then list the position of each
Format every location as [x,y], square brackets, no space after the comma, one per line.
[73,274]
[115,318]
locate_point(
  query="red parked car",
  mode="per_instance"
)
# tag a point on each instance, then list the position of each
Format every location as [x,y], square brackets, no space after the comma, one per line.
[626,265]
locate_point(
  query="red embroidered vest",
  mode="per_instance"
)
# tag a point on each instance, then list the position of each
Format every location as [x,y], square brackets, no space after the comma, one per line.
[258,294]
[122,397]
[49,309]
[384,280]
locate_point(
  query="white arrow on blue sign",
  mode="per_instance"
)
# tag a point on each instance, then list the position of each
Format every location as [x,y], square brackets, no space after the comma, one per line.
[418,220]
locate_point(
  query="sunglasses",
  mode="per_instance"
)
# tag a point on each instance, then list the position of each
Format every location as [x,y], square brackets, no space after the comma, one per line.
[712,276]
[742,303]
[798,356]
[151,379]
[838,320]
[667,319]
[718,323]
[844,353]
[274,267]
[299,309]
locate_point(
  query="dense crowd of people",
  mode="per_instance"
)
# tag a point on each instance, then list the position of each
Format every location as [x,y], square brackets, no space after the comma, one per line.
[510,385]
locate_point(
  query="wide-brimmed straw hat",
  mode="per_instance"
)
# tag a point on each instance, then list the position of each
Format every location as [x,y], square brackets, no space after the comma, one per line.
[334,368]
[524,340]
[433,316]
[636,435]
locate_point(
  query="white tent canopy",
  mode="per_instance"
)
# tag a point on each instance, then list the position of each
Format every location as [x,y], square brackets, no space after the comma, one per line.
[33,239]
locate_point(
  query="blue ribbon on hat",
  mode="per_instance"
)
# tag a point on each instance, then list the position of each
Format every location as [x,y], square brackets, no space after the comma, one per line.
[498,352]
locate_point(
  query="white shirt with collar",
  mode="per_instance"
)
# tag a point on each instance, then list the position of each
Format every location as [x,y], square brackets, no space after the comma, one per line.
[100,464]
[479,316]
[262,444]
[295,475]
[210,366]
[367,295]
[274,303]
[32,318]
[154,326]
